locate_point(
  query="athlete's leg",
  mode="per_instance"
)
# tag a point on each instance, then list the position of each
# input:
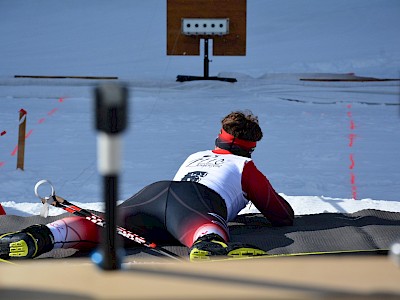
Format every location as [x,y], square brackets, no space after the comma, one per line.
[167,211]
[32,241]
[74,232]
[196,216]
[144,213]
[194,210]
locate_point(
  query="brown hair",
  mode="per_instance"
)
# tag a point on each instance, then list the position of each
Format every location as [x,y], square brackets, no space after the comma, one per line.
[242,125]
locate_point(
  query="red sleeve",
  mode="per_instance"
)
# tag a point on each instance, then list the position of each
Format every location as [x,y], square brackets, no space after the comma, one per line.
[259,191]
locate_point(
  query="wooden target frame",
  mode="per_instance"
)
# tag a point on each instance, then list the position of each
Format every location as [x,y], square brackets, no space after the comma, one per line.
[228,43]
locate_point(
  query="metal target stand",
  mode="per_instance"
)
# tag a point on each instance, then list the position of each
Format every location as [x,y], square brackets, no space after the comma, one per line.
[182,78]
[189,21]
[205,28]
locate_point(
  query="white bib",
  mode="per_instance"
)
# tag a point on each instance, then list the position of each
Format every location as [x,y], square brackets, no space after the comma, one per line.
[220,172]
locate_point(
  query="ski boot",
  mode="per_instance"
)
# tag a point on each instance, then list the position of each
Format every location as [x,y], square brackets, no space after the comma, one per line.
[27,243]
[213,245]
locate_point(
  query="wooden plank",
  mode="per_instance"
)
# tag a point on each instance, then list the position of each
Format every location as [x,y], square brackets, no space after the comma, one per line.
[356,79]
[281,278]
[64,77]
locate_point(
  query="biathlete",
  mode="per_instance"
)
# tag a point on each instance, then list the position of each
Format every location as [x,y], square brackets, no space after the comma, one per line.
[210,188]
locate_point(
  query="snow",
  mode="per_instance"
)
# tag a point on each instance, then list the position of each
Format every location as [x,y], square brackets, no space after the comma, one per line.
[325,143]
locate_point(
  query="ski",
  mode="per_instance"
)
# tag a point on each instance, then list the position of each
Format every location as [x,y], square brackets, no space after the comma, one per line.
[298,254]
[7,261]
[96,219]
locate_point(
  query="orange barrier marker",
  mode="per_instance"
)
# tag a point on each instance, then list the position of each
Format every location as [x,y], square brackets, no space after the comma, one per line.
[21,139]
[2,211]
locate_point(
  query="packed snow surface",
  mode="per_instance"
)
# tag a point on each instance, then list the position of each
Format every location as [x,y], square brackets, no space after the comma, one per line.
[327,146]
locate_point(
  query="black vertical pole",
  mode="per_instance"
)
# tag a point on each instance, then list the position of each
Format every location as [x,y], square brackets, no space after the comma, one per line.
[111,120]
[206,60]
[110,260]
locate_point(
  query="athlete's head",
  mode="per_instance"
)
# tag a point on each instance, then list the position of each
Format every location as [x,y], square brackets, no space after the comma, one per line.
[240,133]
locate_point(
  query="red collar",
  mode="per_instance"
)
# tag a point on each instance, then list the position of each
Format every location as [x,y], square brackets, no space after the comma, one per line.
[221,151]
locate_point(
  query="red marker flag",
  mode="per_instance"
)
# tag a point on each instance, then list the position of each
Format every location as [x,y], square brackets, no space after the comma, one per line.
[2,211]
